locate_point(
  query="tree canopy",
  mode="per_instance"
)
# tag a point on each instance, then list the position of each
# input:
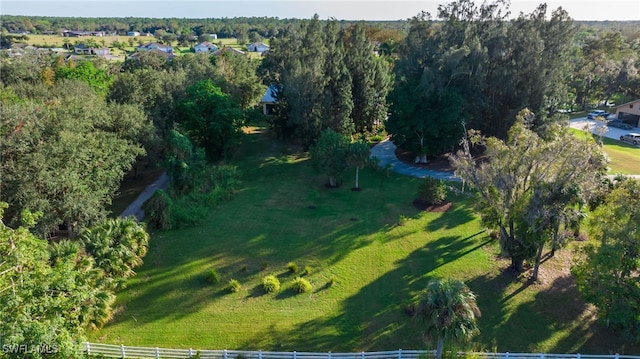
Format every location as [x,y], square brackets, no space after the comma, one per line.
[529,187]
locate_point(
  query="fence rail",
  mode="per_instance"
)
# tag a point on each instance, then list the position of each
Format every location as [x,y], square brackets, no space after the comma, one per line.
[121,351]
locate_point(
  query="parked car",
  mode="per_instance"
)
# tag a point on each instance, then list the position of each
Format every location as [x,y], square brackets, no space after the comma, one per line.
[619,124]
[631,137]
[597,113]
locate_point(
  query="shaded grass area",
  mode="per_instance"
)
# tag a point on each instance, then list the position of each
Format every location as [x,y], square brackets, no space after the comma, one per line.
[366,268]
[624,157]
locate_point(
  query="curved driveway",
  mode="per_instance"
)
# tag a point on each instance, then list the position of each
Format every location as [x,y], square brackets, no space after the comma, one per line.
[385,152]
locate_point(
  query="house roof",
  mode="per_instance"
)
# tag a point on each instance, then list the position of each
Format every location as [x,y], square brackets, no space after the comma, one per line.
[269,95]
[628,103]
[259,43]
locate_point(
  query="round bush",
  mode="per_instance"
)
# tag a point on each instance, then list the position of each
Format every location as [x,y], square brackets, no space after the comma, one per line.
[432,191]
[234,286]
[292,267]
[301,285]
[213,277]
[270,284]
[307,270]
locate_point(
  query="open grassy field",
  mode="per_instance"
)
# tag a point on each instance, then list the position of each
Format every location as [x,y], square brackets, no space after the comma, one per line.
[624,158]
[285,214]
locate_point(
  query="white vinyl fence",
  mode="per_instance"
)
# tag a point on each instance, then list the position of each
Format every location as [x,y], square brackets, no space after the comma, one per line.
[121,351]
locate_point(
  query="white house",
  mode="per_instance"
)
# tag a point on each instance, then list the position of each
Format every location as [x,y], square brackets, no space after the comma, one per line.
[205,47]
[268,100]
[155,46]
[258,47]
[133,33]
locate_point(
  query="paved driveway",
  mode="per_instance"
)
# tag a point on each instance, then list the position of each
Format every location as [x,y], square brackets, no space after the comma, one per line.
[594,126]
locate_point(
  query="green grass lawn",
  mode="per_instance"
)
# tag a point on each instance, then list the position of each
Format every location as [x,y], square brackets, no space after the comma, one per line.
[624,157]
[352,238]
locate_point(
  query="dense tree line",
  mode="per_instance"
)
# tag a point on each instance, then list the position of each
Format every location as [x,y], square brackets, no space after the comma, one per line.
[324,77]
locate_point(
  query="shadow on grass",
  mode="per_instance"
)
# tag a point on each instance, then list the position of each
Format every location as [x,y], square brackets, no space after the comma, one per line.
[451,219]
[374,318]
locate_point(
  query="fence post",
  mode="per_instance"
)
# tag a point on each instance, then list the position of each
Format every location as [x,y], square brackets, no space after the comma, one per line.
[329,357]
[122,351]
[295,354]
[88,347]
[259,354]
[190,352]
[617,356]
[399,353]
[225,354]
[506,355]
[157,353]
[541,355]
[578,356]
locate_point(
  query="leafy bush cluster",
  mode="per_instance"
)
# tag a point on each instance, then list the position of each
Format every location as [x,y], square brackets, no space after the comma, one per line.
[432,191]
[176,209]
[234,286]
[270,284]
[213,277]
[301,285]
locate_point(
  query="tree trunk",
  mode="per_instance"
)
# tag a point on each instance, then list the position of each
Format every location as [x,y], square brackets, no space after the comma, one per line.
[534,276]
[357,172]
[439,347]
[421,159]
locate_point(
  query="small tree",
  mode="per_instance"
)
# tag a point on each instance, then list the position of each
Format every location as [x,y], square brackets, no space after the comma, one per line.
[432,191]
[449,310]
[358,157]
[329,155]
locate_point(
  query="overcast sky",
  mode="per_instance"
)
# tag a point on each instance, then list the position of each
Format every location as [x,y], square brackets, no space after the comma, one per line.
[341,10]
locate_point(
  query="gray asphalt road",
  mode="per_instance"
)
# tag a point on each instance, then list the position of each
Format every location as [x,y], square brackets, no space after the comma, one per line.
[135,208]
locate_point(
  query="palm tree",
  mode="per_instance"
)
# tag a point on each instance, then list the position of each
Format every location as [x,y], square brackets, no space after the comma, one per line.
[118,246]
[449,309]
[358,156]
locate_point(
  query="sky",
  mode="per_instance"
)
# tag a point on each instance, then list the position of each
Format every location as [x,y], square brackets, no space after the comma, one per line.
[600,10]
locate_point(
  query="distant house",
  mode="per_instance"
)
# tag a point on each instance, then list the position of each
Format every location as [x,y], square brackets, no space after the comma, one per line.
[133,33]
[82,49]
[155,46]
[228,50]
[71,33]
[258,47]
[268,101]
[213,36]
[103,51]
[205,47]
[629,113]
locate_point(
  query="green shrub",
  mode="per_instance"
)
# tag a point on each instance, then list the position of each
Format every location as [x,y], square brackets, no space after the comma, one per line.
[301,285]
[270,284]
[158,210]
[432,191]
[331,282]
[213,277]
[234,286]
[292,267]
[307,270]
[265,265]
